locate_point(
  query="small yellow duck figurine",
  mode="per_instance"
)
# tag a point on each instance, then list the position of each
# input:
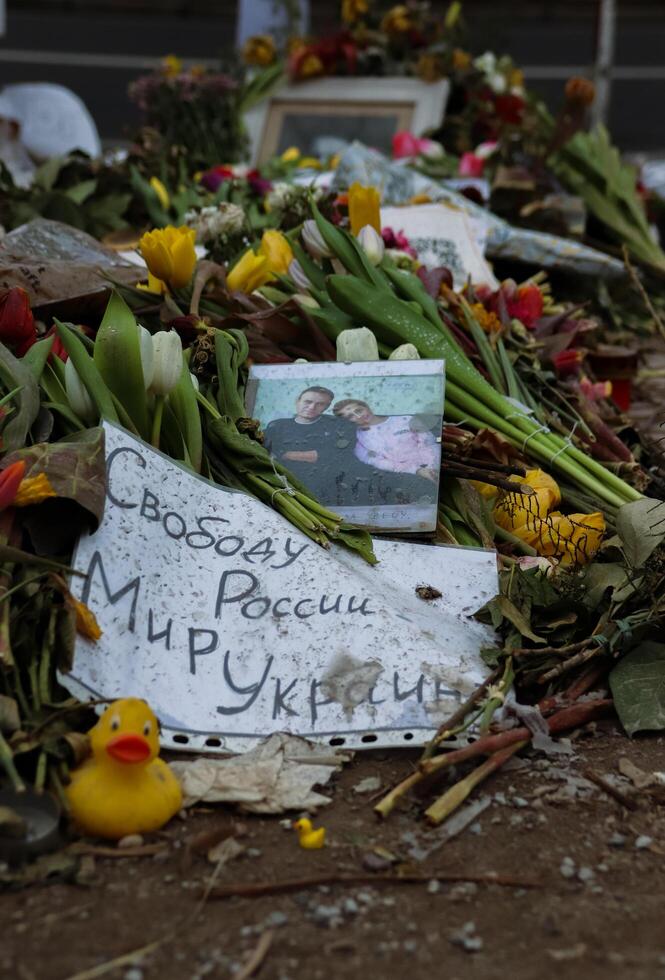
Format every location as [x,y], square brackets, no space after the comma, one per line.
[123,788]
[309,838]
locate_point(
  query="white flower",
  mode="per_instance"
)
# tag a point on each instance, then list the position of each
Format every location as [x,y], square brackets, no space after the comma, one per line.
[167,362]
[497,82]
[405,352]
[313,241]
[432,150]
[279,195]
[79,400]
[195,382]
[147,362]
[297,273]
[306,300]
[213,221]
[486,63]
[371,243]
[358,344]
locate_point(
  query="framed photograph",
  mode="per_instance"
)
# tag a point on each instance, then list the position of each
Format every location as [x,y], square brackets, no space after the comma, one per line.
[321,115]
[364,437]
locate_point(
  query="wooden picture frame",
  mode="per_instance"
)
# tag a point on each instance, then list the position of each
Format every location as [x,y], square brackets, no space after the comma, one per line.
[367,109]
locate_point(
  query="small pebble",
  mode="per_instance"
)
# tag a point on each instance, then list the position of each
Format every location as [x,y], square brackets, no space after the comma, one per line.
[275,920]
[433,887]
[617,840]
[350,906]
[586,874]
[643,841]
[567,868]
[253,852]
[410,945]
[519,801]
[476,828]
[131,840]
[134,973]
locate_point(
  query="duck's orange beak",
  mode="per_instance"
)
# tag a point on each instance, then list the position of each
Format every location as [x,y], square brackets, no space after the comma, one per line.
[128,748]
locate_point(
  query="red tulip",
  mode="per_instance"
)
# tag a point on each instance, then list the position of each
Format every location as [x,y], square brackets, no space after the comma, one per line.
[10,480]
[567,362]
[17,324]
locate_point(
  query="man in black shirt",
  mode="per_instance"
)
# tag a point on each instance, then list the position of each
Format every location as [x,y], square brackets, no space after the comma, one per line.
[317,448]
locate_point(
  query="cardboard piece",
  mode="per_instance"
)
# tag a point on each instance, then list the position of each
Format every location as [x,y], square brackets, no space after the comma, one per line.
[233,625]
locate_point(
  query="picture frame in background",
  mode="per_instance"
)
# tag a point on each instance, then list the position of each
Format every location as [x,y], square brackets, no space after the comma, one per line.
[363,437]
[341,110]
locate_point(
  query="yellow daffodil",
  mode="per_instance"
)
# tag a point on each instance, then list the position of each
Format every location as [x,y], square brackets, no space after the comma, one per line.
[171,65]
[290,155]
[364,208]
[311,162]
[161,192]
[275,247]
[169,254]
[461,59]
[249,273]
[397,20]
[86,622]
[354,10]
[34,489]
[259,50]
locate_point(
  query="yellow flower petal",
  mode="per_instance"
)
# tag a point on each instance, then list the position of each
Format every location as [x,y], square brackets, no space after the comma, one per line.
[290,155]
[86,622]
[170,255]
[275,247]
[34,489]
[364,208]
[161,192]
[249,272]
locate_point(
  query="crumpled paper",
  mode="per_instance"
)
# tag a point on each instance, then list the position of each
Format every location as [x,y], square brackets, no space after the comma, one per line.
[400,183]
[277,775]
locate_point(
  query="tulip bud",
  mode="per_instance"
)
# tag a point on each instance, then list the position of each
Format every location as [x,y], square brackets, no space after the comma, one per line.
[147,361]
[167,362]
[314,242]
[79,400]
[372,244]
[297,274]
[357,345]
[405,352]
[304,300]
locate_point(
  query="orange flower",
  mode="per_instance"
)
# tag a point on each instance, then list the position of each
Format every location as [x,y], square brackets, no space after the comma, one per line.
[364,208]
[86,622]
[10,480]
[488,321]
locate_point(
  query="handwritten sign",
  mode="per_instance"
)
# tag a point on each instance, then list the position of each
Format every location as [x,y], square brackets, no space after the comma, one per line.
[234,625]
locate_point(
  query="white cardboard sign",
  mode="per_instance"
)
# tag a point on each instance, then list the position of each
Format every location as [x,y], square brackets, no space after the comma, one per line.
[234,625]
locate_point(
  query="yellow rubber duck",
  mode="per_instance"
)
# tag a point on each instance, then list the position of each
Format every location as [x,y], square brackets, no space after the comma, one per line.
[124,788]
[309,838]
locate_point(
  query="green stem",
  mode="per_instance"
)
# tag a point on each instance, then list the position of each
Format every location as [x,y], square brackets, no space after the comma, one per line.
[516,542]
[7,761]
[157,420]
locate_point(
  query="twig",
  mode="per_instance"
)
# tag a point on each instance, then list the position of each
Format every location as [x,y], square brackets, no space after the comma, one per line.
[241,889]
[579,658]
[257,957]
[103,968]
[98,850]
[612,791]
[642,291]
[460,713]
[552,651]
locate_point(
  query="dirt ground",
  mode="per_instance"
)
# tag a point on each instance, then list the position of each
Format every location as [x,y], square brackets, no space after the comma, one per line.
[596,909]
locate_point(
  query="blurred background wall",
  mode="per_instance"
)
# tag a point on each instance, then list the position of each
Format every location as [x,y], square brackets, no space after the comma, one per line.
[96,47]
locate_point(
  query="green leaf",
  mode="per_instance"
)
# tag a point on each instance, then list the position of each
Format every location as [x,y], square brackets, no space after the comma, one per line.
[81,192]
[599,577]
[641,527]
[117,356]
[15,374]
[638,688]
[502,608]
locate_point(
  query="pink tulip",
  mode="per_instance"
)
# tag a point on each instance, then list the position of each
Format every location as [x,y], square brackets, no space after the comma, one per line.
[471,165]
[405,144]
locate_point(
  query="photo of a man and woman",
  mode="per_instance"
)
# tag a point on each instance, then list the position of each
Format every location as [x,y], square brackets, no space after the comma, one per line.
[364,438]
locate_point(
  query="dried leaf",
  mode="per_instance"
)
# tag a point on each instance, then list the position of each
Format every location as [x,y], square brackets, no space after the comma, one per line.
[641,527]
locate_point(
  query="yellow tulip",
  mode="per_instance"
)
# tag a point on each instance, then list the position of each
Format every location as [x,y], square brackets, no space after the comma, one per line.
[353,10]
[574,538]
[310,162]
[275,247]
[520,513]
[169,254]
[259,50]
[364,208]
[290,155]
[161,192]
[171,65]
[249,273]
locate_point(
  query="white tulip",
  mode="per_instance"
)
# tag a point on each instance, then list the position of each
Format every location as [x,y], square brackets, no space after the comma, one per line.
[297,273]
[79,400]
[167,362]
[313,241]
[147,360]
[304,300]
[195,382]
[405,352]
[371,243]
[358,344]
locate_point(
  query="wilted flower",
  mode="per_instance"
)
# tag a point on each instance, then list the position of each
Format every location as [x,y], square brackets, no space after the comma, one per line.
[259,50]
[279,196]
[249,273]
[313,241]
[275,247]
[17,324]
[580,91]
[297,274]
[169,254]
[166,361]
[213,221]
[517,512]
[77,395]
[372,244]
[364,208]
